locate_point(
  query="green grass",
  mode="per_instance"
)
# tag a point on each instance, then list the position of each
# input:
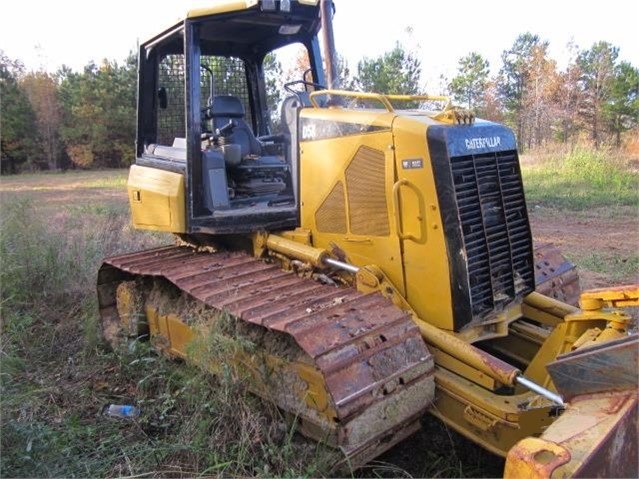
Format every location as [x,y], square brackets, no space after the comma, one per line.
[581,180]
[593,191]
[115,181]
[66,180]
[611,265]
[191,423]
[49,252]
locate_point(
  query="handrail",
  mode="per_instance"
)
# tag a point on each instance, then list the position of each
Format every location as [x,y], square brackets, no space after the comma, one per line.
[420,217]
[385,100]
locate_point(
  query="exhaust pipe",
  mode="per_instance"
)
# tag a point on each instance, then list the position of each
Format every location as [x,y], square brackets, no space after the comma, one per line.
[330,54]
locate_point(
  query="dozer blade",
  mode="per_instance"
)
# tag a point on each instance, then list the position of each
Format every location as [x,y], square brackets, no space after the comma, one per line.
[555,276]
[609,366]
[597,434]
[350,367]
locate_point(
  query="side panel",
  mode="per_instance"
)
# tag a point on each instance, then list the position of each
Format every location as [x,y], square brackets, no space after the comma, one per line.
[347,176]
[156,198]
[425,256]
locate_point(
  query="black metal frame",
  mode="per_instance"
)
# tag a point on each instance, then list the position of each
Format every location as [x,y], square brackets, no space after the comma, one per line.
[213,35]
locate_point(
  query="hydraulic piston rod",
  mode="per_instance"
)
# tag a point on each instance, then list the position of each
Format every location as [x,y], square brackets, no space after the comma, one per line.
[551,396]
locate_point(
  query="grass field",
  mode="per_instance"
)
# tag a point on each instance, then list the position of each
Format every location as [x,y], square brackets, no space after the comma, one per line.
[56,376]
[587,204]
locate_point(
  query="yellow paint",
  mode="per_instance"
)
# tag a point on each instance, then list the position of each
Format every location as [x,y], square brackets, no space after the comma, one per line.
[156,198]
[535,458]
[425,256]
[172,336]
[493,421]
[324,165]
[413,256]
[221,7]
[575,438]
[294,249]
[233,6]
[596,306]
[619,296]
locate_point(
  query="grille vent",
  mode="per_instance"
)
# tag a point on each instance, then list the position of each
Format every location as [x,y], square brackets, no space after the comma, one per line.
[331,216]
[368,211]
[495,230]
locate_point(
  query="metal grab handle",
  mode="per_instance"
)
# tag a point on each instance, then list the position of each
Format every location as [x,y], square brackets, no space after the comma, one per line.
[385,100]
[420,216]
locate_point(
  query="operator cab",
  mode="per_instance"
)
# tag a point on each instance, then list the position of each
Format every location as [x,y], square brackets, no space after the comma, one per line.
[208,110]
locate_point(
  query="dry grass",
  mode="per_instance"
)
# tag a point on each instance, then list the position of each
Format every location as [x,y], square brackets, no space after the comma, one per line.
[57,377]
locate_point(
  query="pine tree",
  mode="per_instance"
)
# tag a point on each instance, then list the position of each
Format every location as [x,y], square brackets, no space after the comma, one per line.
[469,86]
[18,141]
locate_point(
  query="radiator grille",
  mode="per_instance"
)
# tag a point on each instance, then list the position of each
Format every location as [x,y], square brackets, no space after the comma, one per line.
[331,216]
[368,212]
[495,230]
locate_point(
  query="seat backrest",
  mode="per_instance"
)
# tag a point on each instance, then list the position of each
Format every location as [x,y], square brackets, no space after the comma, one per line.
[289,109]
[227,108]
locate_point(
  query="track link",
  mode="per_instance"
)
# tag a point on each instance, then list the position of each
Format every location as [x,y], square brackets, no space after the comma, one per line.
[364,363]
[555,276]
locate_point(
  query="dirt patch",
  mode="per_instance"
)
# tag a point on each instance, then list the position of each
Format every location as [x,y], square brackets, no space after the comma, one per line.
[593,234]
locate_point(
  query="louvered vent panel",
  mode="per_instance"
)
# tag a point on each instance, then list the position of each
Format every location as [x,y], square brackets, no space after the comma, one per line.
[367,194]
[331,216]
[495,228]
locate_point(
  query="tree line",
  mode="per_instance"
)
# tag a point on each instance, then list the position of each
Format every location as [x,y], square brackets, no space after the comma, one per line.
[594,99]
[87,119]
[596,94]
[67,119]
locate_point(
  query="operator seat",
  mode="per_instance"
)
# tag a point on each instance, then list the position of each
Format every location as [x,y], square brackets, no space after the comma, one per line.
[289,113]
[227,108]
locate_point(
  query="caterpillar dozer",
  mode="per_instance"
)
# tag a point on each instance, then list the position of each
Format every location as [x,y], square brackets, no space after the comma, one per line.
[374,249]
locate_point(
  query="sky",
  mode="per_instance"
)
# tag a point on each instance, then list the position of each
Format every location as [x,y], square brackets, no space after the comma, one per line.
[45,34]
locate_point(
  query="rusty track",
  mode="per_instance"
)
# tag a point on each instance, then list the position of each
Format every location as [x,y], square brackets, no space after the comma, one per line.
[554,275]
[374,365]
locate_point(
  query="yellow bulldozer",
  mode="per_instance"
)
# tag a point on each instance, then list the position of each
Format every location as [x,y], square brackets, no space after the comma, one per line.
[374,249]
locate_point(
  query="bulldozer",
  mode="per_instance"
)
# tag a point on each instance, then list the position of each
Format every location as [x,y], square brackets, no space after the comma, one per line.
[375,250]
